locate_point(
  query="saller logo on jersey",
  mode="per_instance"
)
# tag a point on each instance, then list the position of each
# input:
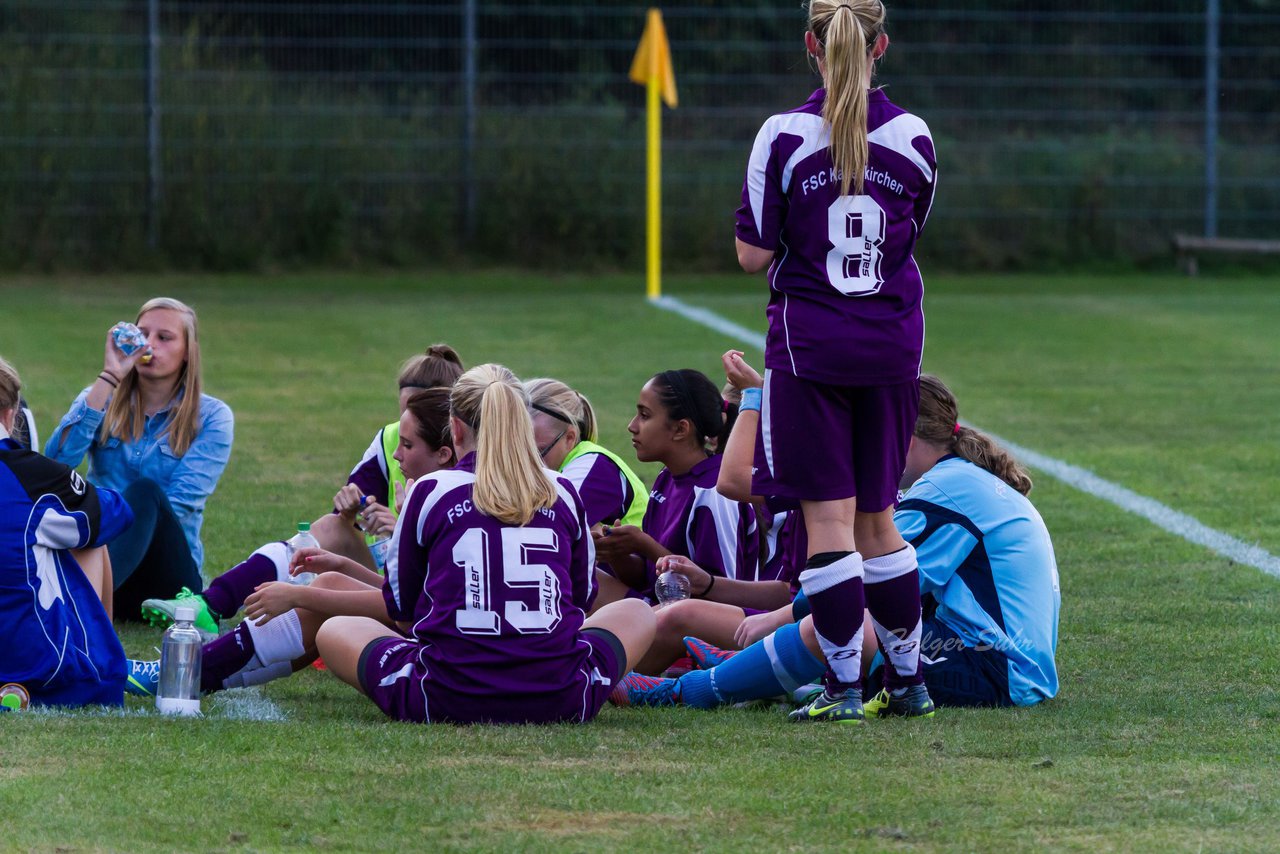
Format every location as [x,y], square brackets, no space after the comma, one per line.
[77,483]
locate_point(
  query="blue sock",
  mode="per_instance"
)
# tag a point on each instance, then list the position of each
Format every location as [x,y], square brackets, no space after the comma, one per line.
[770,667]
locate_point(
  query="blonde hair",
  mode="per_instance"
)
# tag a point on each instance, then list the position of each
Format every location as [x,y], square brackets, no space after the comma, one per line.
[438,367]
[563,404]
[511,483]
[10,386]
[124,418]
[938,424]
[847,31]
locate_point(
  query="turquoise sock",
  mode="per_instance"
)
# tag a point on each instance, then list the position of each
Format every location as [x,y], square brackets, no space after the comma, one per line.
[770,667]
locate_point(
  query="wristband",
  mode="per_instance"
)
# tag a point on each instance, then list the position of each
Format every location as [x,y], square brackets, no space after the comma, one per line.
[109,379]
[707,592]
[751,399]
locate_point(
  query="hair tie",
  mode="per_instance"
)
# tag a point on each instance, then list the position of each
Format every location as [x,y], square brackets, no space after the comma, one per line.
[724,406]
[956,430]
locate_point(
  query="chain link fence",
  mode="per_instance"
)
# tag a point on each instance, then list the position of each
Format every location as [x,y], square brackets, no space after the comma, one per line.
[218,135]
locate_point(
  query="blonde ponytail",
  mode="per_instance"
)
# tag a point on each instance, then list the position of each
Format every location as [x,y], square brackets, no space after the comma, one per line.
[847,31]
[511,483]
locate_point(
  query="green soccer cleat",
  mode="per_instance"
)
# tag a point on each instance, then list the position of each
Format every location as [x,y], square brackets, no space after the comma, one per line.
[913,702]
[844,708]
[160,613]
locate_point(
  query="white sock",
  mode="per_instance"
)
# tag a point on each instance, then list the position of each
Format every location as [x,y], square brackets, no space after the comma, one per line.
[279,640]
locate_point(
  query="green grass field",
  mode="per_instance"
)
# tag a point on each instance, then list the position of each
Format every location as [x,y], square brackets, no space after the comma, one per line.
[1164,735]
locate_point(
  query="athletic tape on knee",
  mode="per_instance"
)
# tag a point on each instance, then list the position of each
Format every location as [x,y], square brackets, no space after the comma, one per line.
[890,566]
[278,554]
[817,579]
[278,640]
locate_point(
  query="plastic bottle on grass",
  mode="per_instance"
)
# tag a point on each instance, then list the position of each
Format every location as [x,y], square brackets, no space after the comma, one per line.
[301,540]
[180,656]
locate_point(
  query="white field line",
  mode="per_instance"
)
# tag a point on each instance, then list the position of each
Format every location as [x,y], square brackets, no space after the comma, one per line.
[1166,518]
[245,704]
[238,704]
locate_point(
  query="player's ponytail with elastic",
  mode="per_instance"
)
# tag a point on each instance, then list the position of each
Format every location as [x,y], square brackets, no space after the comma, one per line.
[847,31]
[689,394]
[562,403]
[938,424]
[438,367]
[511,484]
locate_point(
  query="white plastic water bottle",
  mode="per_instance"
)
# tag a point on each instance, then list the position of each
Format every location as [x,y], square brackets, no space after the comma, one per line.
[180,656]
[671,587]
[301,540]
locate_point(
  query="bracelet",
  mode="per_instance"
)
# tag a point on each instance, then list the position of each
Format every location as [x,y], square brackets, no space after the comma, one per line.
[109,379]
[705,593]
[751,399]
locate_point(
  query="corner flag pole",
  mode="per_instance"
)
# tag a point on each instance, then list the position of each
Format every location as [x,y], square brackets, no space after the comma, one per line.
[652,69]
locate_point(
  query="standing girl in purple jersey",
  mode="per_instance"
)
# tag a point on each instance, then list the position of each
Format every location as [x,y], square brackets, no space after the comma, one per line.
[836,194]
[679,415]
[490,575]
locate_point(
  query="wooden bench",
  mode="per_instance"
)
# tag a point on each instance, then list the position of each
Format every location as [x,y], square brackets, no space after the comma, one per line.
[1188,248]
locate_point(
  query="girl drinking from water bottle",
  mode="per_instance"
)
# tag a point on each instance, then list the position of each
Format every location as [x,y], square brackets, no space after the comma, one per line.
[151,433]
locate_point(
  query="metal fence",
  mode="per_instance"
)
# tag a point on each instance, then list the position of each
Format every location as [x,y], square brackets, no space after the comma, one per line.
[228,134]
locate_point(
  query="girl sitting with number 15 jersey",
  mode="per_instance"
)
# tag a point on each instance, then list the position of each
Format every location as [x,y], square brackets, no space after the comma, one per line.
[490,574]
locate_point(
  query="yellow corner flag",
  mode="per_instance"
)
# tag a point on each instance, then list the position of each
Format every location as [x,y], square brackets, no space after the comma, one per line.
[652,69]
[653,59]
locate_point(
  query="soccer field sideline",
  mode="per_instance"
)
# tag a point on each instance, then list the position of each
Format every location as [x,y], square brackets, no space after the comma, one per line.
[1162,516]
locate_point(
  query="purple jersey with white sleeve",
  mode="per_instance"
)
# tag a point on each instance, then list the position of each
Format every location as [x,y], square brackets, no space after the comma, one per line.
[689,517]
[845,303]
[605,491]
[370,474]
[496,608]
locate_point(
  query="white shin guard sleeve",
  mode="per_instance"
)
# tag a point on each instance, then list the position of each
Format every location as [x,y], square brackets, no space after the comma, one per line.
[890,566]
[278,640]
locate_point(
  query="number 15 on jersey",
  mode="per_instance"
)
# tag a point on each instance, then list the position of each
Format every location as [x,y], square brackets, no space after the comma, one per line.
[480,613]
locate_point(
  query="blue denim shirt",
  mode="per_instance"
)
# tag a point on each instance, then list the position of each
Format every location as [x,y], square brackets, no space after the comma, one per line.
[188,480]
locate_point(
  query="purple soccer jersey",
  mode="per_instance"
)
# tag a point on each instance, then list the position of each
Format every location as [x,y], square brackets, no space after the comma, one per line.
[688,517]
[605,491]
[845,303]
[370,474]
[786,543]
[496,609]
